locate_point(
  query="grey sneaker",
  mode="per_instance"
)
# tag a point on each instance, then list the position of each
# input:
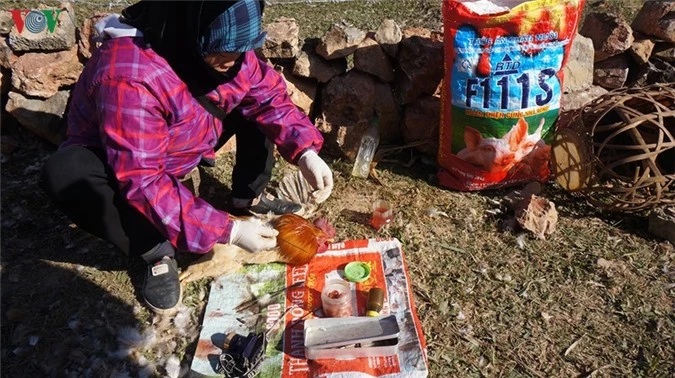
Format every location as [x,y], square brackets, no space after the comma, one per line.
[161,287]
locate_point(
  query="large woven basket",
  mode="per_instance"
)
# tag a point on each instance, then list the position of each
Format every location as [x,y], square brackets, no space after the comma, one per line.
[619,151]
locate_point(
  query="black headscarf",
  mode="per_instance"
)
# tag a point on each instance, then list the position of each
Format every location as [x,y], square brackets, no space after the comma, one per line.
[173,29]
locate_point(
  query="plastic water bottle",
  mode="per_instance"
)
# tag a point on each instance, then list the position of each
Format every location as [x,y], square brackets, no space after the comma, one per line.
[369,142]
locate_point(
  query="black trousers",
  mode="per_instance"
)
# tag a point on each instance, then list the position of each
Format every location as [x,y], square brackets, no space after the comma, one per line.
[79,181]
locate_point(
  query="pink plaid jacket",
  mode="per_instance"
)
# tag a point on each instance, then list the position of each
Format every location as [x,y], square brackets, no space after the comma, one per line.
[129,102]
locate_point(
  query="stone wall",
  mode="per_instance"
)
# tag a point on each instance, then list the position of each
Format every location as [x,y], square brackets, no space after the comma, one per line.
[611,53]
[37,69]
[345,77]
[633,54]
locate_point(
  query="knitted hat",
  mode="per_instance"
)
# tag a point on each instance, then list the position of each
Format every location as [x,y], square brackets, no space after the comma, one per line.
[235,30]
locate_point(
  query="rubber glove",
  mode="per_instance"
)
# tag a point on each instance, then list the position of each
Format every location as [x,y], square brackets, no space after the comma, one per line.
[253,236]
[315,171]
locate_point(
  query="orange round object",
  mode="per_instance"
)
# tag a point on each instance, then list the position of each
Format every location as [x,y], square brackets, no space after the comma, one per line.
[298,238]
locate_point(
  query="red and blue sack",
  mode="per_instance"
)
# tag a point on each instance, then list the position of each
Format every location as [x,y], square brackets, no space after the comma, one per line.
[502,87]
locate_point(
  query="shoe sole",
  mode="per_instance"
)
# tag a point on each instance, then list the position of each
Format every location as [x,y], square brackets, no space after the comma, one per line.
[166,311]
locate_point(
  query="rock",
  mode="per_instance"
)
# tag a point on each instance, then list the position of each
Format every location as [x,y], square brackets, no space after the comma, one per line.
[416,32]
[6,22]
[7,57]
[641,49]
[370,58]
[5,81]
[282,39]
[42,117]
[579,68]
[84,38]
[87,34]
[611,73]
[347,105]
[572,102]
[662,223]
[42,37]
[654,71]
[656,19]
[302,92]
[419,70]
[388,35]
[42,74]
[436,36]
[388,112]
[340,40]
[309,65]
[421,122]
[610,34]
[665,51]
[537,214]
[576,100]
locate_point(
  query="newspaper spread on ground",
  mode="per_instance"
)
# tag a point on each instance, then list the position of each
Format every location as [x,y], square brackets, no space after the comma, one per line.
[282,316]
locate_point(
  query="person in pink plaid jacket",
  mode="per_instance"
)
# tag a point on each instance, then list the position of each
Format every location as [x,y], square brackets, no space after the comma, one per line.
[171,83]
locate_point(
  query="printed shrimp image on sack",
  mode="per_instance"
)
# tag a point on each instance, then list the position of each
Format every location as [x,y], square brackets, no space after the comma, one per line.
[501,95]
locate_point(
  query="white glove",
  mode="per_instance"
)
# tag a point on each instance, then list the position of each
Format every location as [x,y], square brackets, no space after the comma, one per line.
[253,236]
[315,171]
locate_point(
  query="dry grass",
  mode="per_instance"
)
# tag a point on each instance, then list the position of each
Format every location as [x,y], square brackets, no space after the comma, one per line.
[627,9]
[554,308]
[490,308]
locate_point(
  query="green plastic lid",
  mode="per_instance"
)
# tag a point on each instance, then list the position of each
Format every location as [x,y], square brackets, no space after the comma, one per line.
[357,271]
